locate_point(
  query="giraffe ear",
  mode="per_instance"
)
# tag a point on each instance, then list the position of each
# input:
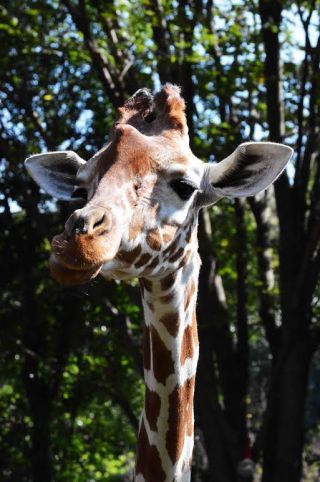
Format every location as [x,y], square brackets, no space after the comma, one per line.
[251,168]
[55,172]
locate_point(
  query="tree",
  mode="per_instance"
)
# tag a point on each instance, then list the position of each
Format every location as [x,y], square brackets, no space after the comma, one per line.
[65,67]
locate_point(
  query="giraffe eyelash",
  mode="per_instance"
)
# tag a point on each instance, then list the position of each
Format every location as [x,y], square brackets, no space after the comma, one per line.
[183,188]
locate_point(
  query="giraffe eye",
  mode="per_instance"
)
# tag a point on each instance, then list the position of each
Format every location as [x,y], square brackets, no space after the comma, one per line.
[80,193]
[183,188]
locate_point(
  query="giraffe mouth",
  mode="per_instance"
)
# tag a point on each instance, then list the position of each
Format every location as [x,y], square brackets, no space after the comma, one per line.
[71,275]
[76,260]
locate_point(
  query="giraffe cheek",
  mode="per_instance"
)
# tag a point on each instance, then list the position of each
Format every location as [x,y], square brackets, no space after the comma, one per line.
[136,227]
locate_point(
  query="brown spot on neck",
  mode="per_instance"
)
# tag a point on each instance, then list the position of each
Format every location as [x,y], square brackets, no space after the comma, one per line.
[187,348]
[189,341]
[129,256]
[167,282]
[146,348]
[152,406]
[176,255]
[171,321]
[153,239]
[148,461]
[191,288]
[172,247]
[143,260]
[166,298]
[146,284]
[153,263]
[163,364]
[185,260]
[180,418]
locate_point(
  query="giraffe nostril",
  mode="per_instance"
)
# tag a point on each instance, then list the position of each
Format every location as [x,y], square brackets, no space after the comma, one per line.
[80,227]
[99,222]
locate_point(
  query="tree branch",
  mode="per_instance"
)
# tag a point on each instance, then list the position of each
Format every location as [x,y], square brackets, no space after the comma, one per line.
[119,45]
[304,77]
[100,63]
[163,39]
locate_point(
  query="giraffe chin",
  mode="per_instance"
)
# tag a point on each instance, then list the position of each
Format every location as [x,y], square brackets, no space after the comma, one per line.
[67,275]
[78,259]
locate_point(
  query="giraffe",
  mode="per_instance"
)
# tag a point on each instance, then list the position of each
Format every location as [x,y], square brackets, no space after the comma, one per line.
[141,194]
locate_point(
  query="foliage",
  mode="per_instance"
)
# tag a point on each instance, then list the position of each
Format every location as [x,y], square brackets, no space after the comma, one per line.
[70,387]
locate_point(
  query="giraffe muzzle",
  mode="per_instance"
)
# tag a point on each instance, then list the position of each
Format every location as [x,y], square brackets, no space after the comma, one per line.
[89,240]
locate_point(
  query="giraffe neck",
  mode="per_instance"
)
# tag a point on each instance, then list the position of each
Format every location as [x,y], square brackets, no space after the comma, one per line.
[165,440]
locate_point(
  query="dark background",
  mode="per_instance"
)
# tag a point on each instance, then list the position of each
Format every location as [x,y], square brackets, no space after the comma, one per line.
[70,359]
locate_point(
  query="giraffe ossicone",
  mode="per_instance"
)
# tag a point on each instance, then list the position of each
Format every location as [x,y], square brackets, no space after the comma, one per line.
[141,194]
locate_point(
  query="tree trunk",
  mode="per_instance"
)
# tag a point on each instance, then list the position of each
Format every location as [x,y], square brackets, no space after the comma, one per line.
[40,450]
[221,468]
[283,444]
[284,423]
[37,389]
[220,426]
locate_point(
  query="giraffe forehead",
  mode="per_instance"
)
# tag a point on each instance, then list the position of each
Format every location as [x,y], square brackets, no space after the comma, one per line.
[135,155]
[121,161]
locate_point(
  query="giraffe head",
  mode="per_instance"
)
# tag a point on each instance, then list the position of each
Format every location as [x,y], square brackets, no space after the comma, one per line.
[141,193]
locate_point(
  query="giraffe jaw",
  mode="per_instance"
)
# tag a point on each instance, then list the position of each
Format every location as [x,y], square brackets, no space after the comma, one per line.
[78,259]
[68,275]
